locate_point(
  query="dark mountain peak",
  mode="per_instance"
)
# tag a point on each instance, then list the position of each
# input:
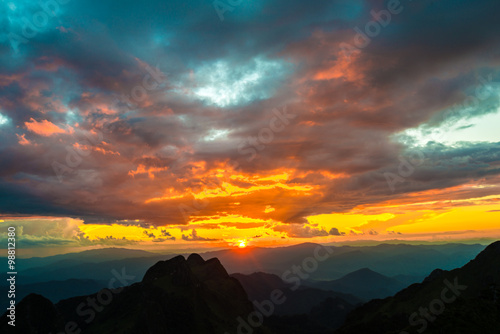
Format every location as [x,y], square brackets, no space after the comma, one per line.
[490,252]
[261,280]
[195,259]
[212,269]
[474,285]
[34,314]
[176,266]
[486,263]
[36,299]
[176,296]
[363,283]
[183,271]
[364,273]
[435,274]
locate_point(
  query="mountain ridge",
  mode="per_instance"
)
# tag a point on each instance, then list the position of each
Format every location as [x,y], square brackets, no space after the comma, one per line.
[469,295]
[179,295]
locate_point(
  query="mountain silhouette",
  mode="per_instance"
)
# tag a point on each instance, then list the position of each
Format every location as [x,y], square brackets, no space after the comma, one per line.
[56,290]
[363,283]
[259,286]
[175,296]
[463,300]
[409,263]
[194,295]
[306,310]
[387,259]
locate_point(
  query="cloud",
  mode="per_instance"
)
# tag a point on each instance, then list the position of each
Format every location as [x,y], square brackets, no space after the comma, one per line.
[195,237]
[165,233]
[164,239]
[164,236]
[301,231]
[334,231]
[173,154]
[56,232]
[149,235]
[43,128]
[22,139]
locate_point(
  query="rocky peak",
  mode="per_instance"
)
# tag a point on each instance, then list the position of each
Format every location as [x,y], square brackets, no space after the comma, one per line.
[176,267]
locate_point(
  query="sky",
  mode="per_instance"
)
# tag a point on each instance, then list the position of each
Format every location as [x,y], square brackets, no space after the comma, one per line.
[169,125]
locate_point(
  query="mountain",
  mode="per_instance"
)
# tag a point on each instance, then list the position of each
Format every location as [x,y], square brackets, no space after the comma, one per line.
[319,309]
[271,260]
[365,284]
[70,269]
[56,290]
[197,295]
[408,280]
[464,300]
[175,296]
[387,259]
[35,314]
[412,262]
[259,286]
[93,256]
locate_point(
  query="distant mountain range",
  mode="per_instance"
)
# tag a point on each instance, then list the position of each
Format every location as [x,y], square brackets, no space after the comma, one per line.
[88,256]
[407,264]
[302,301]
[410,262]
[56,290]
[386,259]
[464,300]
[71,268]
[364,283]
[194,295]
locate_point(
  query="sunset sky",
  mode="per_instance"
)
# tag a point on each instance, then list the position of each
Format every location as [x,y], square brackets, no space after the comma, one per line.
[172,125]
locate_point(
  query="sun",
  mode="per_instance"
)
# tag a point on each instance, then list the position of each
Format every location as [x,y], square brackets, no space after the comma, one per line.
[242,243]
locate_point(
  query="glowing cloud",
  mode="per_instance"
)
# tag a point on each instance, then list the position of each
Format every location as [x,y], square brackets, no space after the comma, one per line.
[44,128]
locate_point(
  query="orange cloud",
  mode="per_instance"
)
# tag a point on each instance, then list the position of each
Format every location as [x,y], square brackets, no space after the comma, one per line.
[22,140]
[95,148]
[141,169]
[44,128]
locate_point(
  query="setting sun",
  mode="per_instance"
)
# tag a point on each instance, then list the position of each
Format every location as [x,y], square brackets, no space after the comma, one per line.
[242,244]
